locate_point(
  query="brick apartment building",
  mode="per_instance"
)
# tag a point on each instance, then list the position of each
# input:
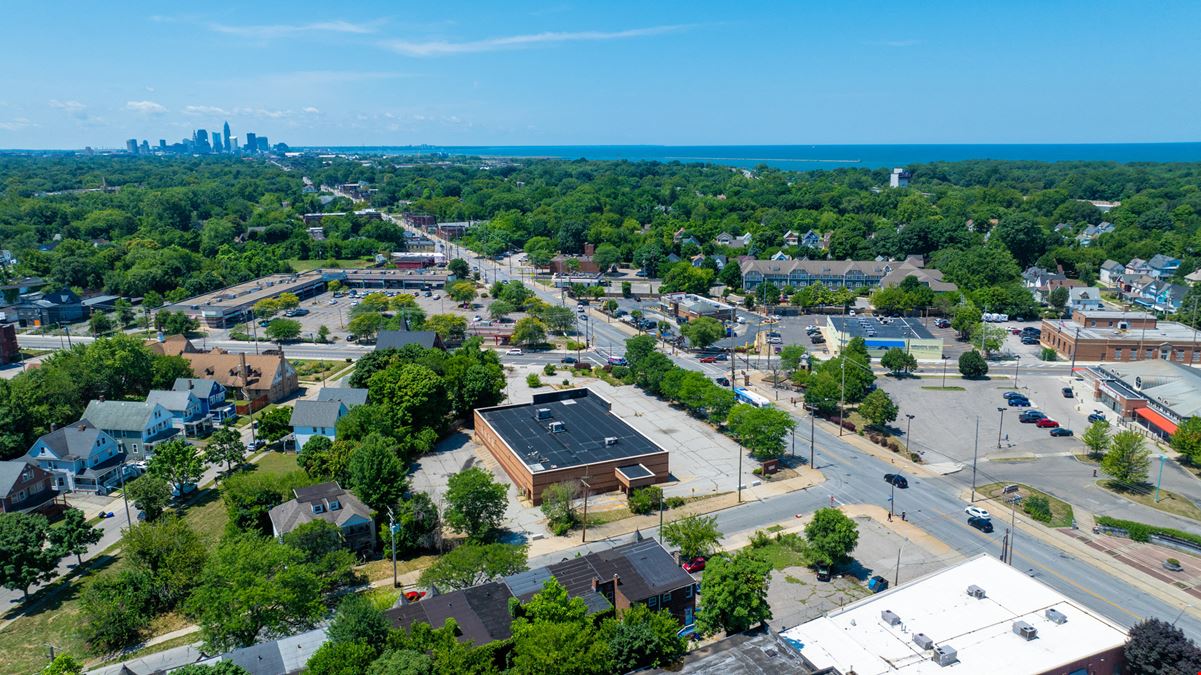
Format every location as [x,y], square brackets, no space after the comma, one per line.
[1108,336]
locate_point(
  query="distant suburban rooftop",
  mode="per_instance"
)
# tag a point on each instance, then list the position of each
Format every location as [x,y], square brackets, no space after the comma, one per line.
[754,653]
[979,629]
[347,395]
[865,326]
[1110,314]
[566,428]
[316,413]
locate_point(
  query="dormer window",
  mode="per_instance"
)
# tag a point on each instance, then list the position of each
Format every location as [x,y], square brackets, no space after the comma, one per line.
[334,505]
[318,508]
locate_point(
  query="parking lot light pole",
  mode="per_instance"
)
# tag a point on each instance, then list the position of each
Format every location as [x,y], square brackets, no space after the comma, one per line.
[944,372]
[908,428]
[975,453]
[1016,365]
[1159,481]
[999,426]
[812,422]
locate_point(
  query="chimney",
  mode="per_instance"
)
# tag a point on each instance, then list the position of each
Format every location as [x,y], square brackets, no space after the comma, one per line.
[616,581]
[242,361]
[589,249]
[101,398]
[53,426]
[595,581]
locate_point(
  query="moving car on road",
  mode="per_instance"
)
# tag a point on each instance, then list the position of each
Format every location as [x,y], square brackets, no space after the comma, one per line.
[708,359]
[982,524]
[977,512]
[569,360]
[896,479]
[514,352]
[723,381]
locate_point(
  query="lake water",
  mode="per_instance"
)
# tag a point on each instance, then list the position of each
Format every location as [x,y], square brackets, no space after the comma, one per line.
[808,157]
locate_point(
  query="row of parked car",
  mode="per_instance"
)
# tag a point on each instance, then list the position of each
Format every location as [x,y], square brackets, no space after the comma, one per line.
[1035,417]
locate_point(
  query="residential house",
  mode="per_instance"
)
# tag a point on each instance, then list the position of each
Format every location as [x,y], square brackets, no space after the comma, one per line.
[50,308]
[727,239]
[348,396]
[1138,266]
[780,255]
[172,345]
[80,456]
[1193,277]
[1111,271]
[187,412]
[315,418]
[791,238]
[1163,296]
[840,273]
[673,258]
[25,486]
[396,339]
[690,240]
[1042,282]
[331,503]
[720,261]
[899,178]
[267,377]
[1085,299]
[812,239]
[1091,233]
[697,260]
[211,394]
[1163,267]
[137,426]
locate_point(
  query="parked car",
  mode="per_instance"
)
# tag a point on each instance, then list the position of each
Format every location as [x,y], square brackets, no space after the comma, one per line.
[1013,394]
[1060,431]
[977,512]
[722,357]
[1031,416]
[264,323]
[1029,340]
[896,479]
[300,311]
[1067,393]
[942,323]
[818,340]
[877,584]
[1046,423]
[1019,402]
[695,565]
[982,524]
[414,596]
[823,572]
[514,352]
[617,361]
[723,381]
[1096,417]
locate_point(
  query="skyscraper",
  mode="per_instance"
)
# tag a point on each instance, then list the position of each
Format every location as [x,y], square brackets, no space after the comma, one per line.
[132,146]
[200,141]
[228,147]
[262,144]
[217,142]
[252,143]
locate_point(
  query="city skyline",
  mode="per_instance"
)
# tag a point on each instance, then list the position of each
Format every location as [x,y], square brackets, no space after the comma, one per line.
[202,142]
[538,73]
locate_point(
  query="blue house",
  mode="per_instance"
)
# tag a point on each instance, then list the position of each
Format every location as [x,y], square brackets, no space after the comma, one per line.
[136,426]
[81,457]
[1162,266]
[187,413]
[212,395]
[349,396]
[315,418]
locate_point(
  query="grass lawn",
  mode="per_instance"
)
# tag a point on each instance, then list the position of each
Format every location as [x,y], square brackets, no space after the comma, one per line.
[1061,511]
[382,568]
[782,556]
[314,370]
[306,265]
[1169,502]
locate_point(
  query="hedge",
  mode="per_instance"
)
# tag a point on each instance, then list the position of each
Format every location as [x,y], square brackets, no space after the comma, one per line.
[1143,531]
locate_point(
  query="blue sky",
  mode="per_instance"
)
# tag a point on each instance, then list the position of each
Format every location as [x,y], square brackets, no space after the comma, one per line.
[542,73]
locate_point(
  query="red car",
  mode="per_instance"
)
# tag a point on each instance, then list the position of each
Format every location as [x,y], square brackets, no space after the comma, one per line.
[414,596]
[695,565]
[1015,331]
[708,359]
[1046,423]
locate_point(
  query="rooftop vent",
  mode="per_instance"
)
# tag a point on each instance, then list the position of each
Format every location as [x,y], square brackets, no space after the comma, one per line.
[890,617]
[945,655]
[1056,616]
[610,440]
[1025,630]
[556,427]
[976,592]
[543,413]
[922,640]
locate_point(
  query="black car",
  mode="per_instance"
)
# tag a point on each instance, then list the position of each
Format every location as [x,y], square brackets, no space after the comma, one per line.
[1019,402]
[725,382]
[568,360]
[818,340]
[823,572]
[896,479]
[982,524]
[1030,416]
[1029,340]
[1067,392]
[1060,431]
[1096,417]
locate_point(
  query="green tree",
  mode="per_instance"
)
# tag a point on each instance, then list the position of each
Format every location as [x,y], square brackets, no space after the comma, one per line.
[898,361]
[282,330]
[499,309]
[365,326]
[643,637]
[966,318]
[761,430]
[1160,648]
[1096,438]
[694,535]
[459,268]
[249,496]
[990,337]
[1187,439]
[823,393]
[552,634]
[703,331]
[341,658]
[100,323]
[558,505]
[26,558]
[225,445]
[475,503]
[177,462]
[175,323]
[63,664]
[735,593]
[116,608]
[1059,298]
[274,424]
[606,256]
[323,459]
[402,662]
[831,535]
[791,357]
[150,494]
[463,292]
[254,587]
[972,365]
[473,564]
[644,500]
[218,668]
[637,349]
[1128,461]
[417,524]
[449,327]
[323,334]
[413,395]
[170,551]
[529,331]
[878,408]
[316,539]
[357,620]
[74,535]
[376,474]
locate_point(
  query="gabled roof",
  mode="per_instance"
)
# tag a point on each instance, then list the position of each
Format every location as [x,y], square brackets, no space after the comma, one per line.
[317,413]
[1113,266]
[74,441]
[120,415]
[395,339]
[10,473]
[347,395]
[175,401]
[296,512]
[199,386]
[1160,261]
[172,345]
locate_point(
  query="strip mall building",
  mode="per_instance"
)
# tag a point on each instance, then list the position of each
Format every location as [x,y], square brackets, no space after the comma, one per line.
[1154,395]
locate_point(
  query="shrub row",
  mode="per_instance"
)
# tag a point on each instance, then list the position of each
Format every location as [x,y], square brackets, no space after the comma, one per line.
[1143,531]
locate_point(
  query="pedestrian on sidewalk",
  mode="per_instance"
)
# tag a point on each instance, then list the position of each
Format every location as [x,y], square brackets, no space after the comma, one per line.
[902,515]
[890,516]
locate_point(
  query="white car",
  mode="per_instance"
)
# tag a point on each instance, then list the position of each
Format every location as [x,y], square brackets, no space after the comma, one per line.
[514,352]
[977,512]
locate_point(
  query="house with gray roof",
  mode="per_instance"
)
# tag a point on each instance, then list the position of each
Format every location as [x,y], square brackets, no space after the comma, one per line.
[25,486]
[212,395]
[187,413]
[395,339]
[331,503]
[349,396]
[315,418]
[1091,233]
[137,426]
[80,456]
[1162,266]
[1111,272]
[1085,299]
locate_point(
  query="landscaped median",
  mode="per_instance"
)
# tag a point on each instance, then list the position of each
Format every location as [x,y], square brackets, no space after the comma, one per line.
[1045,508]
[1144,532]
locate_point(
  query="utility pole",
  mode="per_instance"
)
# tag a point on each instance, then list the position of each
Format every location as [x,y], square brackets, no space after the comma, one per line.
[129,520]
[1005,545]
[944,372]
[584,533]
[975,453]
[842,399]
[1159,481]
[740,471]
[908,428]
[812,422]
[1013,530]
[892,498]
[1017,363]
[1076,342]
[392,531]
[896,577]
[1000,426]
[660,517]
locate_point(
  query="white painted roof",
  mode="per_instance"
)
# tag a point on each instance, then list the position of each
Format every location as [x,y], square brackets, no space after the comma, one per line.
[980,630]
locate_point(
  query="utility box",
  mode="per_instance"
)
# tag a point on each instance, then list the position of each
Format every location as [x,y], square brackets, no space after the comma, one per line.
[945,655]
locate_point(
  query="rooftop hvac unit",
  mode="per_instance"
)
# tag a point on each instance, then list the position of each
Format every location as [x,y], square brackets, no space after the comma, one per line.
[890,617]
[556,427]
[1056,616]
[976,592]
[610,440]
[945,655]
[543,413]
[1025,630]
[922,640]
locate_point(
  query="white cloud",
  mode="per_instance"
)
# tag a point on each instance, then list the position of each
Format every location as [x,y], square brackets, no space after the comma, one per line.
[264,113]
[445,48]
[270,31]
[69,106]
[15,124]
[146,107]
[311,110]
[209,110]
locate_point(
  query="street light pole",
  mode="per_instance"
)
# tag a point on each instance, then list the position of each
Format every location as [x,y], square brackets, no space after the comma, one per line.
[1159,481]
[812,422]
[944,372]
[999,426]
[392,531]
[1016,365]
[975,453]
[908,428]
[740,472]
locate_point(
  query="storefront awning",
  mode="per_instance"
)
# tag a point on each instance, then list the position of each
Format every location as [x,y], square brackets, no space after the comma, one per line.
[1158,421]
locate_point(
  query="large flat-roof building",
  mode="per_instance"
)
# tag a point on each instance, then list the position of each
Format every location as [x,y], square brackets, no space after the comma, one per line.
[979,617]
[569,435]
[692,306]
[1156,395]
[882,334]
[234,304]
[1109,336]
